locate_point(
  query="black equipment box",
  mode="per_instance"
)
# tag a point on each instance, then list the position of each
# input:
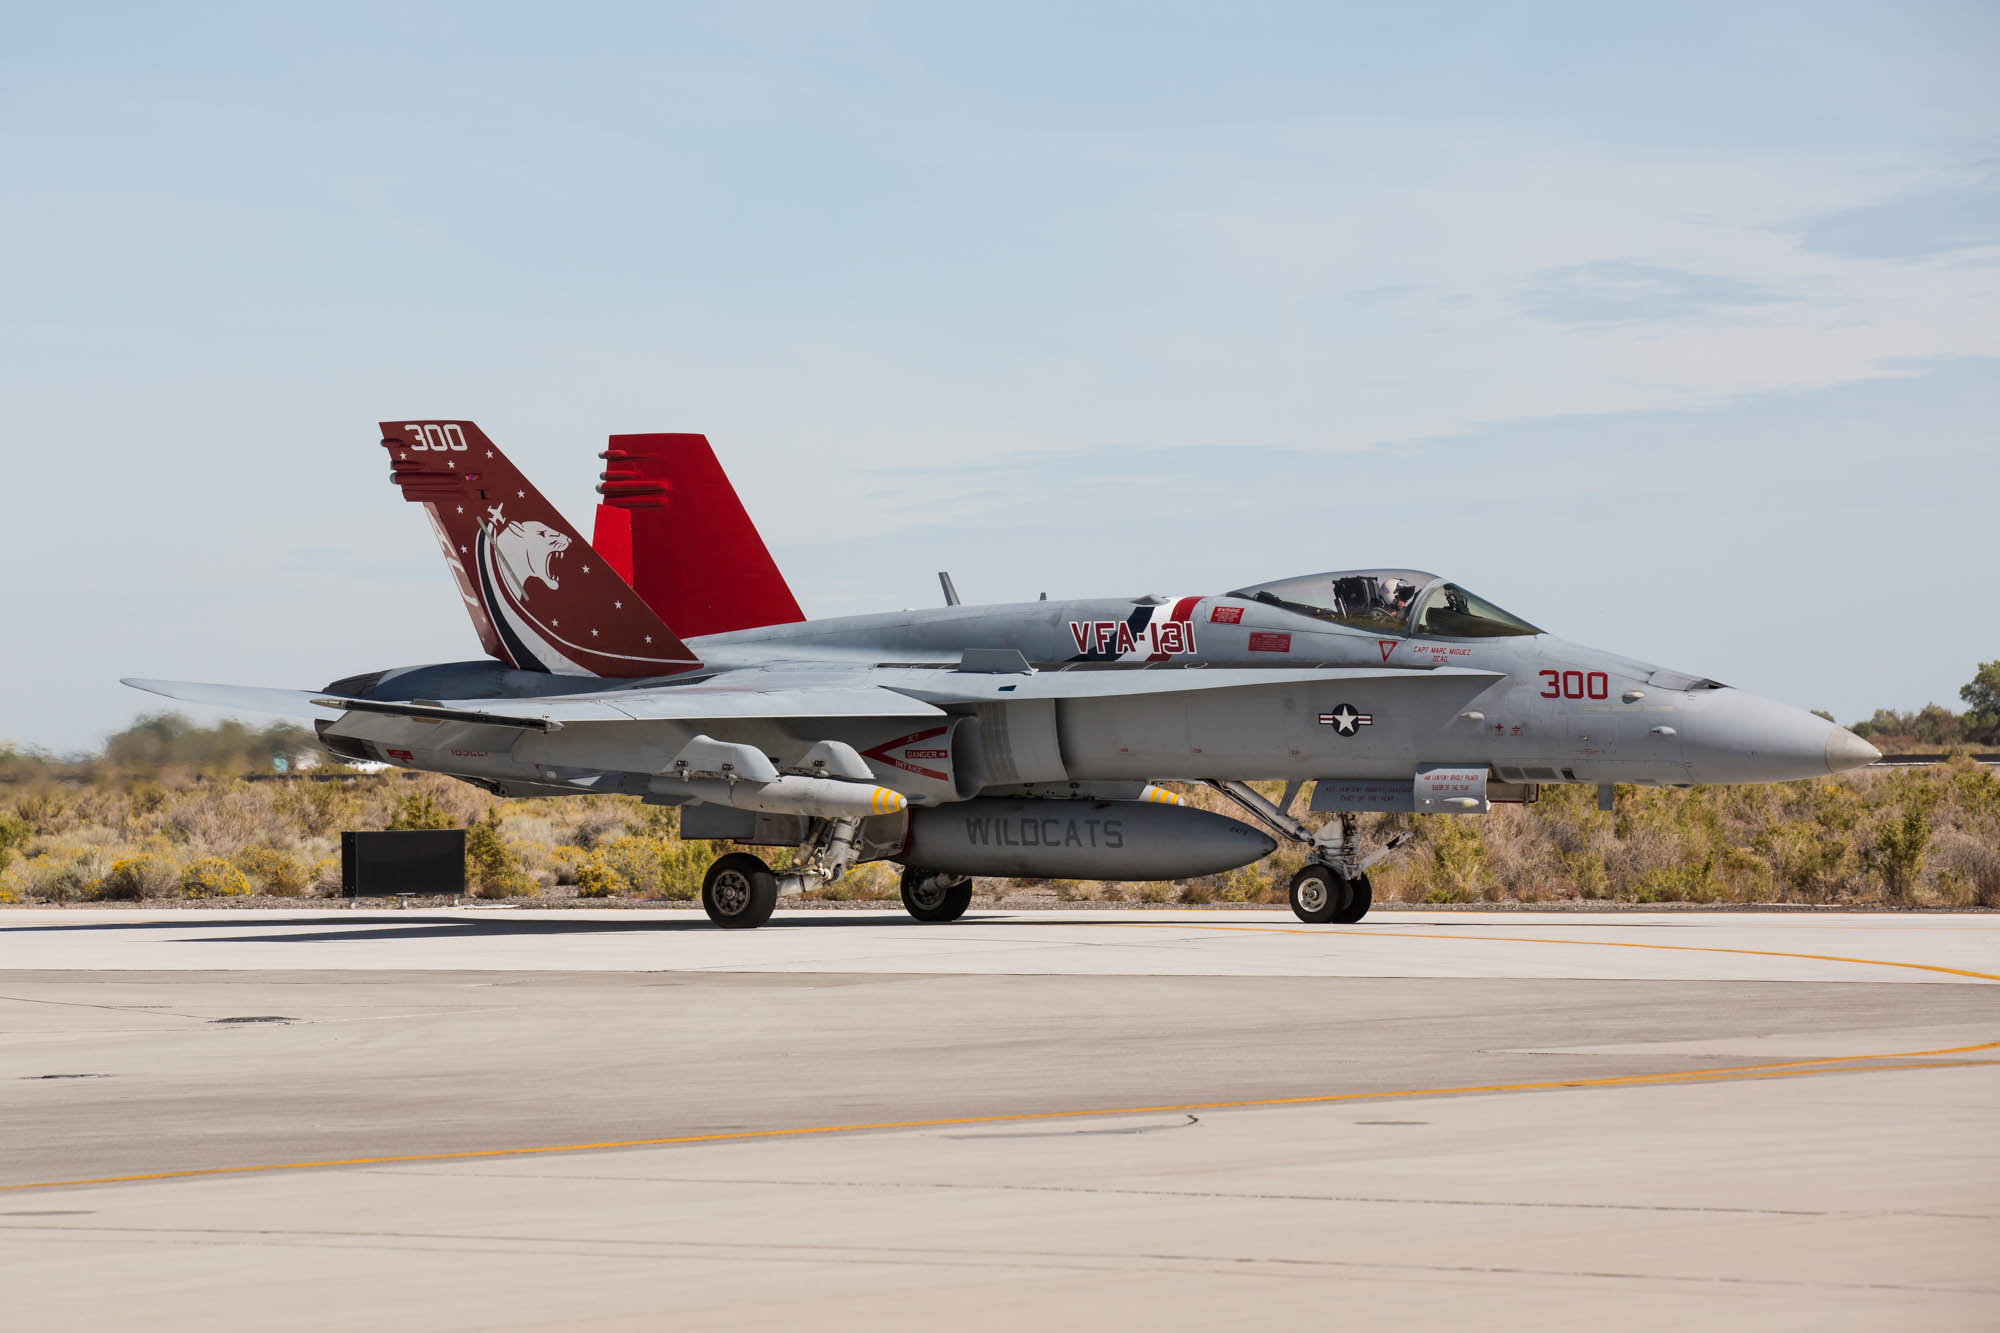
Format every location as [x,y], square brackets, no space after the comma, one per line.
[428,862]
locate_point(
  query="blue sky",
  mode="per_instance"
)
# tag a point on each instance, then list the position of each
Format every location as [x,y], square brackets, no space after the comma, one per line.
[1673,330]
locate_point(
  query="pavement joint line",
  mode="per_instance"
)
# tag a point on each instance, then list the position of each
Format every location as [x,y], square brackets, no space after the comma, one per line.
[1833,1064]
[1507,939]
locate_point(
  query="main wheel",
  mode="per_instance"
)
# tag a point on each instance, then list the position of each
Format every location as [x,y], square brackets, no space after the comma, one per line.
[1360,897]
[929,896]
[739,891]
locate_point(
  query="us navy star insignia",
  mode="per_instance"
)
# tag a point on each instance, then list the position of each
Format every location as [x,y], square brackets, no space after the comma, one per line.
[1345,720]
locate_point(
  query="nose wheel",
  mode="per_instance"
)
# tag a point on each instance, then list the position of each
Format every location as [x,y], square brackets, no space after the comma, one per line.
[1320,895]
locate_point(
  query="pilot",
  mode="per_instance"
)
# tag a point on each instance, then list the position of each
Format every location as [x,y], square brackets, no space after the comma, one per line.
[1397,594]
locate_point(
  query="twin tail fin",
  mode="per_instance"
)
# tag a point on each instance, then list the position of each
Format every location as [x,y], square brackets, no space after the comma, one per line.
[540,597]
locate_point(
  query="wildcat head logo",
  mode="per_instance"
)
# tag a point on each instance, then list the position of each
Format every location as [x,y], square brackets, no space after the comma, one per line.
[524,550]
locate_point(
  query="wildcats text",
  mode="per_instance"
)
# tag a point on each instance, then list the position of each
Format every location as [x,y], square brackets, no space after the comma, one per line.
[1051,832]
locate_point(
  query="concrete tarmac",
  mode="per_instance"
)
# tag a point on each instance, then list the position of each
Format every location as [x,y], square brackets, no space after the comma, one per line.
[519,1120]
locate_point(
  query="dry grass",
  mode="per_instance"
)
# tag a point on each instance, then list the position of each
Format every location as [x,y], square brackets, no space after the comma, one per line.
[1916,837]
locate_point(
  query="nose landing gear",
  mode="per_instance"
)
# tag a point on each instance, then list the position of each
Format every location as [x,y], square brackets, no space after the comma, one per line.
[1321,894]
[1333,886]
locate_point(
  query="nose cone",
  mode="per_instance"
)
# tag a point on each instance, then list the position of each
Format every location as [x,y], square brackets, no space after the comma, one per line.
[1731,736]
[1845,750]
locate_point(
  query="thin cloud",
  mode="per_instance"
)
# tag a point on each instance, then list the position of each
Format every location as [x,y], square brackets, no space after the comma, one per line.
[1619,291]
[1912,226]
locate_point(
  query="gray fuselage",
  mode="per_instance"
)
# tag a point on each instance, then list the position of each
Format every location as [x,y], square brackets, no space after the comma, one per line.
[1115,694]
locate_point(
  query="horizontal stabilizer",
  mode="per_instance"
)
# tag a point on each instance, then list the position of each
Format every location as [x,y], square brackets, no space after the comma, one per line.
[438,713]
[244,698]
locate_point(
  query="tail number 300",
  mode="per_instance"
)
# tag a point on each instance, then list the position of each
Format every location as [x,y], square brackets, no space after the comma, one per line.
[437,439]
[1575,685]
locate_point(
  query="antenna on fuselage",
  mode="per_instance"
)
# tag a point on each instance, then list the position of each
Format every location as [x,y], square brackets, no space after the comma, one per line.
[950,589]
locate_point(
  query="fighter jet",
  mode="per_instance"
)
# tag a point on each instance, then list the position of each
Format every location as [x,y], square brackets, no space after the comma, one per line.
[1018,740]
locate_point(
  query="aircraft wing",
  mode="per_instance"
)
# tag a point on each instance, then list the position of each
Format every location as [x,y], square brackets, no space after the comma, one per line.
[747,694]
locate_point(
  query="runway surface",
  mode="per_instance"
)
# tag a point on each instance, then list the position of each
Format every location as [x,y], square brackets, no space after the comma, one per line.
[507,1119]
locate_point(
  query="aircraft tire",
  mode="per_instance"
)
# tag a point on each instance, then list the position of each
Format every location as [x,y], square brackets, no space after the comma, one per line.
[1319,894]
[739,892]
[1361,897]
[934,898]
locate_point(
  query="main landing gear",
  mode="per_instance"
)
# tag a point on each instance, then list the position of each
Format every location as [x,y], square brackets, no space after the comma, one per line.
[739,892]
[931,897]
[1333,886]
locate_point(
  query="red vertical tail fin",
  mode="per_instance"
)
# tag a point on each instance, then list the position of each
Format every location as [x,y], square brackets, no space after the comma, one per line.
[540,597]
[687,545]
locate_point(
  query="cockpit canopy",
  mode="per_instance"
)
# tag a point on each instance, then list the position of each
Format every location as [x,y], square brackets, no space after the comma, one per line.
[1395,601]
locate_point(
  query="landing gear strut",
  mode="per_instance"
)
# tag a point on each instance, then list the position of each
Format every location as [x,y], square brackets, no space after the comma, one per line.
[1333,886]
[932,897]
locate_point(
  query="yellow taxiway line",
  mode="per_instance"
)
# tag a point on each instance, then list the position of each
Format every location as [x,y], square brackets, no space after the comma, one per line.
[1500,939]
[1833,1064]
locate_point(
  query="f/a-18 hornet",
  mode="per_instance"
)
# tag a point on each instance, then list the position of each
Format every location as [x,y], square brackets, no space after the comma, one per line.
[1012,740]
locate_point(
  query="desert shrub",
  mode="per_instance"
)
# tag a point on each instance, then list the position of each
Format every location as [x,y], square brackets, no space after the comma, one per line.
[1458,858]
[1684,882]
[43,811]
[1974,788]
[635,859]
[273,871]
[594,879]
[656,866]
[1897,852]
[1805,859]
[566,862]
[420,810]
[146,798]
[492,870]
[1967,868]
[14,833]
[213,877]
[144,875]
[319,808]
[1154,893]
[1197,893]
[58,877]
[596,825]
